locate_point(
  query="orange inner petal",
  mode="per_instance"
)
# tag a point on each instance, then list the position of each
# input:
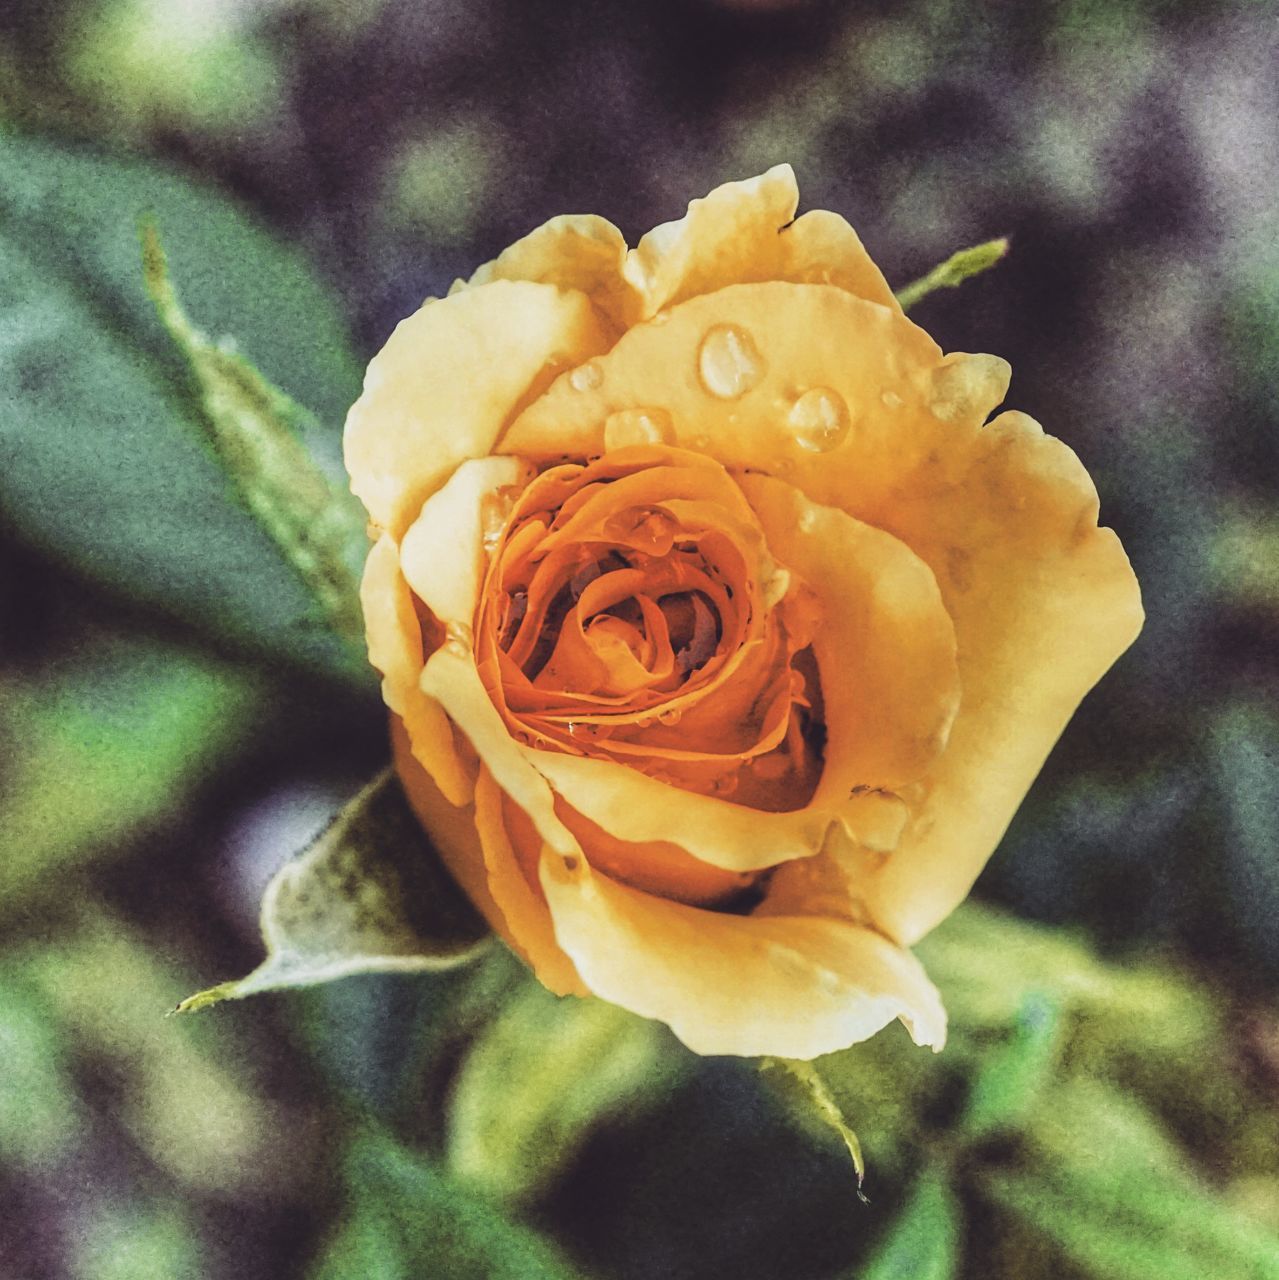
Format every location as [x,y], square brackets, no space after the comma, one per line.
[626,614]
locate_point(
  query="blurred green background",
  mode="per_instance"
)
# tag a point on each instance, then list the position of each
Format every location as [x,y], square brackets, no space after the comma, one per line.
[175,719]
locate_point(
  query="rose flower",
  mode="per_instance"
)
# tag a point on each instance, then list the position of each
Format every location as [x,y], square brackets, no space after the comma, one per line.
[722,633]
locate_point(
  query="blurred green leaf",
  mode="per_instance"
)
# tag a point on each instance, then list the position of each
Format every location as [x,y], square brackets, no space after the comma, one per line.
[104,461]
[1008,1084]
[256,432]
[515,1123]
[184,1094]
[133,1241]
[128,53]
[114,742]
[1117,1199]
[40,1112]
[370,895]
[1245,772]
[923,1241]
[407,1221]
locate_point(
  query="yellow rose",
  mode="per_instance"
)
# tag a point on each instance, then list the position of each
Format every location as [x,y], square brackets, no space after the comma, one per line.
[723,634]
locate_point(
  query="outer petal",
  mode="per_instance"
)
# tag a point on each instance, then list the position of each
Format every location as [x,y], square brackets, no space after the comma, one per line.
[725,237]
[448,380]
[885,647]
[819,247]
[443,551]
[576,251]
[1043,602]
[798,338]
[638,809]
[524,920]
[794,986]
[747,231]
[395,649]
[451,827]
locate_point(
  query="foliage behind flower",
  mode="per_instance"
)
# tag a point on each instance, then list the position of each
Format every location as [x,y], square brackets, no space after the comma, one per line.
[723,634]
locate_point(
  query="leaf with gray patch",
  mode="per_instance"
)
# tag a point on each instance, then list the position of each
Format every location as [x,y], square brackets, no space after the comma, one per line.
[370,895]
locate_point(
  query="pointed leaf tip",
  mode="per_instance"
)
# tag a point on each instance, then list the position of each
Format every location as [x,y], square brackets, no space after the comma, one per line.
[826,1109]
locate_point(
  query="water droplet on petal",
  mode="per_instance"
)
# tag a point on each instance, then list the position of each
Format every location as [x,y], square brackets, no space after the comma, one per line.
[820,420]
[672,716]
[638,426]
[647,529]
[726,785]
[586,377]
[892,399]
[729,361]
[495,508]
[458,638]
[774,584]
[807,520]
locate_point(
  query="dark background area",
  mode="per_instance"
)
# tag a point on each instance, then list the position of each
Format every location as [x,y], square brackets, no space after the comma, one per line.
[160,758]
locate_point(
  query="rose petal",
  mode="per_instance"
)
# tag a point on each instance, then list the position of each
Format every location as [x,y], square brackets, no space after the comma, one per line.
[450,677]
[725,237]
[885,647]
[794,987]
[395,649]
[575,251]
[820,247]
[443,552]
[451,827]
[872,364]
[447,381]
[636,808]
[1043,603]
[524,920]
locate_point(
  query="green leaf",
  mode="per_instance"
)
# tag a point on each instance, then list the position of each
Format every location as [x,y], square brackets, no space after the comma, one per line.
[1107,1188]
[513,1126]
[256,432]
[406,1220]
[182,1091]
[122,1242]
[1008,1084]
[923,1241]
[370,895]
[823,1106]
[40,1112]
[954,271]
[105,465]
[96,750]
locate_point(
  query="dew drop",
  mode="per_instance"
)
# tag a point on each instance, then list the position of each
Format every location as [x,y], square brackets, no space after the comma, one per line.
[891,399]
[637,426]
[774,584]
[495,508]
[729,361]
[807,520]
[820,420]
[458,638]
[673,716]
[586,377]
